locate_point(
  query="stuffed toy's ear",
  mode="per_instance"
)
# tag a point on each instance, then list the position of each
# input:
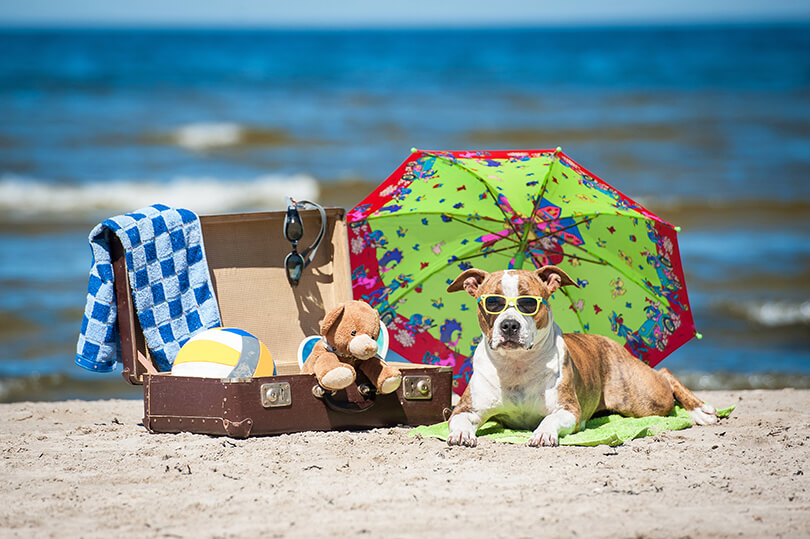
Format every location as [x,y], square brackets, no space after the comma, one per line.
[469,281]
[331,318]
[554,278]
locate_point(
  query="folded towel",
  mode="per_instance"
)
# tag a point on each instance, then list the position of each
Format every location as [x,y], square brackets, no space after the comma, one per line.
[606,430]
[169,279]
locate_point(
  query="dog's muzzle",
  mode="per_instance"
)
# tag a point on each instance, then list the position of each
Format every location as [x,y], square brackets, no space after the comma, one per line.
[510,329]
[509,333]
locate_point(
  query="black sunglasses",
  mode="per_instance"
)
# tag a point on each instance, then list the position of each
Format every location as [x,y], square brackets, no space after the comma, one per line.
[295,262]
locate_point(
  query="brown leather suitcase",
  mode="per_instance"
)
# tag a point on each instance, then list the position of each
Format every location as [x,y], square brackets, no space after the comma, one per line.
[245,257]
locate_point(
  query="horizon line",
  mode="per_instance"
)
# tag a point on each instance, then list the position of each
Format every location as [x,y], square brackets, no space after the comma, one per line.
[404,26]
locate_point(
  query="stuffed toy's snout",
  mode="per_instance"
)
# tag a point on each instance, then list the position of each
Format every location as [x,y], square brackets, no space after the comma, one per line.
[363,347]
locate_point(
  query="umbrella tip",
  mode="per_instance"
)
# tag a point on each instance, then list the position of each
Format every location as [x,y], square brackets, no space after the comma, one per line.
[698,335]
[677,228]
[414,150]
[558,150]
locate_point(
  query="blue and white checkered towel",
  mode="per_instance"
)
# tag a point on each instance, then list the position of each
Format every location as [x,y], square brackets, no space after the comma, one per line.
[169,279]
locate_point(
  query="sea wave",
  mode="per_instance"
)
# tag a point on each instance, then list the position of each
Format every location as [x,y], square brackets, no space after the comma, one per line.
[773,313]
[23,199]
[207,136]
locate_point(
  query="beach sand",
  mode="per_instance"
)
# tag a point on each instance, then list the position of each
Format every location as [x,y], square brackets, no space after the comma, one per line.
[90,469]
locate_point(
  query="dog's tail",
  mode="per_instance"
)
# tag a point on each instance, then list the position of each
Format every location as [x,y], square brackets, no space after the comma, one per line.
[700,412]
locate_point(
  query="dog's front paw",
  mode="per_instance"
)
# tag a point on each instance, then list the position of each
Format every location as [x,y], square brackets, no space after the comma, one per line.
[462,437]
[704,415]
[463,426]
[543,439]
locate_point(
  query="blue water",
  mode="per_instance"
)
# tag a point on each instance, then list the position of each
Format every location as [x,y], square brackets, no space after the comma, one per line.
[708,126]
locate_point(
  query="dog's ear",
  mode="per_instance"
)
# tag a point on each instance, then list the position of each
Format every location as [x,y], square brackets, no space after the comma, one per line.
[331,317]
[469,281]
[554,278]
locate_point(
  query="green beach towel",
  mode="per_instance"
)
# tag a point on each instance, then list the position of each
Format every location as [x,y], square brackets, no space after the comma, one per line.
[609,430]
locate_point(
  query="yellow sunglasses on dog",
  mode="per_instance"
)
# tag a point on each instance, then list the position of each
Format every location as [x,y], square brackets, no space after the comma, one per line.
[496,303]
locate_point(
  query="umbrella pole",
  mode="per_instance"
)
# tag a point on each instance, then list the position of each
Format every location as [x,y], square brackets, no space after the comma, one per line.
[520,256]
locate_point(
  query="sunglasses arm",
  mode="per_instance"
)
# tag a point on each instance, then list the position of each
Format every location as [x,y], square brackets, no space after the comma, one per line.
[309,253]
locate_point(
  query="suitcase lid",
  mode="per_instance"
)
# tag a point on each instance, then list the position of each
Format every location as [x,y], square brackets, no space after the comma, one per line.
[245,254]
[246,259]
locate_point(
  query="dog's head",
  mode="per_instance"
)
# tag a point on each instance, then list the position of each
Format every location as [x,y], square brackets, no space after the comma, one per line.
[512,328]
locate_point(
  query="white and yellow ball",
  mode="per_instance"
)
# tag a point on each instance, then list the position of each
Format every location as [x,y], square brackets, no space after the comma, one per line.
[224,353]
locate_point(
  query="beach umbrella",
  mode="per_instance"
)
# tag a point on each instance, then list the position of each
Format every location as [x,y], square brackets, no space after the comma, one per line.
[440,213]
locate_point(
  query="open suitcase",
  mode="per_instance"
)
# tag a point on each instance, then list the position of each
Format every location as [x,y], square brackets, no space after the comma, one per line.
[245,257]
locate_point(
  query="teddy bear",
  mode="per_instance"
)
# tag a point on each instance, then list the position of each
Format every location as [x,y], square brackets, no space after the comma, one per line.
[349,341]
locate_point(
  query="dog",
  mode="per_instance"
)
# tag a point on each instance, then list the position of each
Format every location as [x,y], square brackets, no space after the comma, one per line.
[528,374]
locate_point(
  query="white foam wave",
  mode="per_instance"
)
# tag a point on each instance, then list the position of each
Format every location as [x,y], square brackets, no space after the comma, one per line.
[207,136]
[31,198]
[777,313]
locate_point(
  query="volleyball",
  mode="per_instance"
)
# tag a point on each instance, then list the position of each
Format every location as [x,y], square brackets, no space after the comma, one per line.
[224,353]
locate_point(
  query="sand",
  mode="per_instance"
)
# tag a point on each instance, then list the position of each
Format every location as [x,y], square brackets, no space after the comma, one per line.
[90,469]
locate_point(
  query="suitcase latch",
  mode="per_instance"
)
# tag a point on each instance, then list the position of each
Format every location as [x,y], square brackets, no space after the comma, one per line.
[417,387]
[276,394]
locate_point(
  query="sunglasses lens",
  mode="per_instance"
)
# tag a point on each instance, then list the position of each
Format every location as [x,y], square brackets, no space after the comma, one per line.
[526,305]
[293,227]
[294,264]
[494,304]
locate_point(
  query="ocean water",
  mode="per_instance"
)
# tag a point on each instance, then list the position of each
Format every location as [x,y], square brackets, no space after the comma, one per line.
[707,126]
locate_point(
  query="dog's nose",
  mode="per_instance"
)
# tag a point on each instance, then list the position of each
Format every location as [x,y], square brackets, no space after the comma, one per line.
[510,327]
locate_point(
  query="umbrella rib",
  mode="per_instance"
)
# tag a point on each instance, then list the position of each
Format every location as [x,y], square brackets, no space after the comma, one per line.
[457,219]
[480,179]
[566,255]
[484,253]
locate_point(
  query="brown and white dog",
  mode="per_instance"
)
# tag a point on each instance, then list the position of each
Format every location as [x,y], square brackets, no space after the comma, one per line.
[529,375]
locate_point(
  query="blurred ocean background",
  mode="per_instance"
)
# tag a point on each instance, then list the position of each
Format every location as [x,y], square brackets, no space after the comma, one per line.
[709,126]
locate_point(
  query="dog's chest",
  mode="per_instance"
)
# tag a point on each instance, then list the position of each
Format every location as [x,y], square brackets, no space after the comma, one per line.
[524,405]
